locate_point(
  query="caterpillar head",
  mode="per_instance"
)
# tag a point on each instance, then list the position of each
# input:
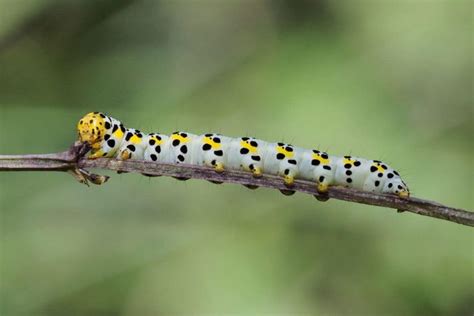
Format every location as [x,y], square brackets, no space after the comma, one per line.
[398,187]
[91,128]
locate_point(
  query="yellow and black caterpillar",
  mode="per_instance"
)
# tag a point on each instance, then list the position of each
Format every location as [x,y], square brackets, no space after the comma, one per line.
[109,138]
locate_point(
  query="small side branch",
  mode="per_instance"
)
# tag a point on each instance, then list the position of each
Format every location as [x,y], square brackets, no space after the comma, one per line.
[73,162]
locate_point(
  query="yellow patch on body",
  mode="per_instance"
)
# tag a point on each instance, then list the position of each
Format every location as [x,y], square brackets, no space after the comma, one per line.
[348,161]
[321,159]
[212,143]
[282,150]
[135,139]
[180,138]
[157,141]
[246,144]
[379,167]
[118,133]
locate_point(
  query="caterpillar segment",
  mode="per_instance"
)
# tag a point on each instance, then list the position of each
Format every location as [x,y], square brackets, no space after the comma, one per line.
[108,137]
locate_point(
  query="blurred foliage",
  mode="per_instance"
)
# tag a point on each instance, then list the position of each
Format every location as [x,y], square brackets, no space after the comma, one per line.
[378,79]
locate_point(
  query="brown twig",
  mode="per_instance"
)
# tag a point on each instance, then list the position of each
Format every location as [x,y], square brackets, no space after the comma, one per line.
[73,162]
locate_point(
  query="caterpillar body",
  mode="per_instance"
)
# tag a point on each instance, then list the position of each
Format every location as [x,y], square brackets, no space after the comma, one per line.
[108,137]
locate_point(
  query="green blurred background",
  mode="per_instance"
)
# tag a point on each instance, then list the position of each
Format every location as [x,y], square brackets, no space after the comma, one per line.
[378,79]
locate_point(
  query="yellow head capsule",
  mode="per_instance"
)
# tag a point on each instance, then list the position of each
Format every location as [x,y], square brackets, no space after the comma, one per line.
[91,129]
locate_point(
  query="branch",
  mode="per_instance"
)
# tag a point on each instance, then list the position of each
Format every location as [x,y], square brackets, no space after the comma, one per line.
[72,161]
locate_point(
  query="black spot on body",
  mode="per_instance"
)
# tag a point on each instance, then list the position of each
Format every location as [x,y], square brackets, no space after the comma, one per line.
[206,147]
[287,171]
[373,169]
[184,149]
[158,149]
[111,143]
[217,140]
[327,167]
[289,149]
[377,183]
[106,136]
[321,178]
[349,180]
[181,158]
[175,142]
[396,173]
[348,172]
[128,136]
[131,147]
[280,144]
[245,138]
[380,175]
[151,142]
[324,156]
[400,187]
[254,143]
[256,158]
[390,185]
[107,125]
[384,167]
[122,128]
[184,135]
[316,151]
[292,162]
[315,162]
[219,153]
[153,157]
[244,151]
[208,135]
[357,163]
[347,166]
[280,156]
[102,115]
[390,175]
[115,128]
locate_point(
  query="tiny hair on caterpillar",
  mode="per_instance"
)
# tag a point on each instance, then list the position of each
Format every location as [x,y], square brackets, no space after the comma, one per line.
[108,137]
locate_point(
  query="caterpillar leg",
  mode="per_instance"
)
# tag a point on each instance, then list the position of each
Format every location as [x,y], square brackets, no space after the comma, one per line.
[322,187]
[215,181]
[404,194]
[219,167]
[251,186]
[289,180]
[287,192]
[256,171]
[321,198]
[97,154]
[125,155]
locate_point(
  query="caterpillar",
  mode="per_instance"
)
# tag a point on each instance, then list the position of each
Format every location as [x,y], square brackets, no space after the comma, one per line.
[108,137]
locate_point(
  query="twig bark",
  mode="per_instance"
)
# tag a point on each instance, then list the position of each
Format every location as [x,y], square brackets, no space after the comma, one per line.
[73,162]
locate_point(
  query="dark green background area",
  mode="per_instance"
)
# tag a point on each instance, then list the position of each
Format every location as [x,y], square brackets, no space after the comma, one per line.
[387,80]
